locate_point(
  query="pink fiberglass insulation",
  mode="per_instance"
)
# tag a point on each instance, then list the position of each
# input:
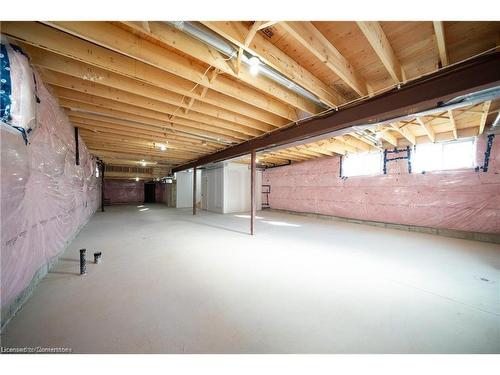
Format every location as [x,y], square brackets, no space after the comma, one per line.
[459,199]
[123,191]
[45,197]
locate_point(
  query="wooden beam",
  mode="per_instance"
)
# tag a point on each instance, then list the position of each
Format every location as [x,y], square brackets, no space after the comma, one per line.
[453,124]
[266,24]
[174,72]
[79,101]
[388,137]
[316,43]
[132,133]
[99,90]
[367,141]
[484,116]
[479,73]
[172,102]
[340,143]
[405,132]
[271,55]
[428,129]
[354,142]
[333,147]
[380,44]
[251,33]
[174,38]
[441,42]
[145,26]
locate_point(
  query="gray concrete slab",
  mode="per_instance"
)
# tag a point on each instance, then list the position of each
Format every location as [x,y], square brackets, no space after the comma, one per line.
[174,283]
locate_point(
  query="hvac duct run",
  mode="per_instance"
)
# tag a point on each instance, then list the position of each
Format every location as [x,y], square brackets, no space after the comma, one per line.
[207,36]
[361,130]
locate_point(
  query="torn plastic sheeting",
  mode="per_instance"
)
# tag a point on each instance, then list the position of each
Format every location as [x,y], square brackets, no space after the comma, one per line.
[46,198]
[18,90]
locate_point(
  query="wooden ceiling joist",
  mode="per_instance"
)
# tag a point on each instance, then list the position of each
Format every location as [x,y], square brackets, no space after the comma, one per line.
[131,98]
[453,124]
[86,102]
[266,24]
[484,116]
[382,47]
[388,137]
[405,132]
[120,40]
[428,129]
[110,128]
[128,98]
[223,106]
[191,73]
[312,40]
[441,42]
[236,33]
[133,87]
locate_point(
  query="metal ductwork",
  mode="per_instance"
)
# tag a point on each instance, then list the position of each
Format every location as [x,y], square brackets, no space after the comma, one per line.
[495,127]
[456,103]
[207,36]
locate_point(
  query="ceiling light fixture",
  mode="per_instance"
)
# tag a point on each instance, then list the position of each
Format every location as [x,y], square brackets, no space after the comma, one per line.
[254,63]
[137,178]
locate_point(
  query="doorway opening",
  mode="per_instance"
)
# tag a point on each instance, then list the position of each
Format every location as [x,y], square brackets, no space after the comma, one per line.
[149,192]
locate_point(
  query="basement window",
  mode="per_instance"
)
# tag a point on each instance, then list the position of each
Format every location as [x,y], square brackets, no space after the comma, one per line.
[362,164]
[458,154]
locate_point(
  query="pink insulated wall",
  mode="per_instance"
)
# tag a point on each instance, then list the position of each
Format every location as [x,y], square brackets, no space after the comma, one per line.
[123,191]
[460,199]
[129,191]
[45,197]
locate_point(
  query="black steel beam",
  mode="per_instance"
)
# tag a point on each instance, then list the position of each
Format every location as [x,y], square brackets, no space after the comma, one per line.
[421,94]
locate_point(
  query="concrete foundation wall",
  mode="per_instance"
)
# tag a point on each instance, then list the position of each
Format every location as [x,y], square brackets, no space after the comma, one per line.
[458,200]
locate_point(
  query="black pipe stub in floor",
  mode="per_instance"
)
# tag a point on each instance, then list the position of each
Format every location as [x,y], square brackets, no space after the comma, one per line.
[97,257]
[83,262]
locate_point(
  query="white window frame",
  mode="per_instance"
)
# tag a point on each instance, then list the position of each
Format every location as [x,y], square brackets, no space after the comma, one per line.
[368,173]
[440,165]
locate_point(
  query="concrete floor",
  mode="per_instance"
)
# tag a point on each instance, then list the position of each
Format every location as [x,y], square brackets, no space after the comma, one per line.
[174,283]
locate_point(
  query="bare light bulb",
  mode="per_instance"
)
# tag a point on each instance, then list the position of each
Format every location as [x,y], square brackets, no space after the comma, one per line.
[254,63]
